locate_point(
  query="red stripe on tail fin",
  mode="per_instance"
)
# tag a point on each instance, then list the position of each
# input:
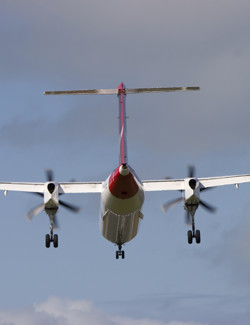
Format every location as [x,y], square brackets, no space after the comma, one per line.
[122,124]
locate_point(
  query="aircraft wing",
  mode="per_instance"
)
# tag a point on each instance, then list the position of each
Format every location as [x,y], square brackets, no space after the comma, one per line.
[164,185]
[80,187]
[96,187]
[179,184]
[223,180]
[74,187]
[22,187]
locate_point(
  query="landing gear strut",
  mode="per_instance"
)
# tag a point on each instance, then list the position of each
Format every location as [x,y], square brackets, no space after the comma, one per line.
[51,238]
[120,252]
[194,233]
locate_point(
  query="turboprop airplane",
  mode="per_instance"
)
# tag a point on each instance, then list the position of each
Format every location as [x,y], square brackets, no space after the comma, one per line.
[122,193]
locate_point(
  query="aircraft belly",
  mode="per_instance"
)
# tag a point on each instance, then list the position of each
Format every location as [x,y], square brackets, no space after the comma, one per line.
[120,229]
[120,217]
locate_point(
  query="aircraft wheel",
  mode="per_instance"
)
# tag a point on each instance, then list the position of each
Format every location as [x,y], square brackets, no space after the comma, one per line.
[116,255]
[123,255]
[55,241]
[198,236]
[47,241]
[190,236]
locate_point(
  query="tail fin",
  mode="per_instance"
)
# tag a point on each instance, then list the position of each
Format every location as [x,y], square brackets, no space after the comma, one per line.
[122,124]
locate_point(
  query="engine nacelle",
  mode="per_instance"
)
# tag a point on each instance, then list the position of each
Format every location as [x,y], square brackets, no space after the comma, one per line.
[51,195]
[192,191]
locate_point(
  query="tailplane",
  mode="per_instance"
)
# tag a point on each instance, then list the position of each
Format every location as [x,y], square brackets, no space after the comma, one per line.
[116,91]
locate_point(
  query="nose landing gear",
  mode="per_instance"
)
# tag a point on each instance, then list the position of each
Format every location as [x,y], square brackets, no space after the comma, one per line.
[120,252]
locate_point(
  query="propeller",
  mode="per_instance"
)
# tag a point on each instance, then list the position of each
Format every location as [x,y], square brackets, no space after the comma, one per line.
[172,203]
[36,210]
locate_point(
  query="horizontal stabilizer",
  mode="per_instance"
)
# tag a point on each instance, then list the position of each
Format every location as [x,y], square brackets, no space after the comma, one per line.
[83,92]
[116,91]
[159,89]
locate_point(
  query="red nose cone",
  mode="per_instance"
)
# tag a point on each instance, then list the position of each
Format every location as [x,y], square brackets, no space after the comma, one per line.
[122,183]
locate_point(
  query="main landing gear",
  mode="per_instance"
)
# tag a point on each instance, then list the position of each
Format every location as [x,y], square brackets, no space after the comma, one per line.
[194,233]
[51,238]
[120,252]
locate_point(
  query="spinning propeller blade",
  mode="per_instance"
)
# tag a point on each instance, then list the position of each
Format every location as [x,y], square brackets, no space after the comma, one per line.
[33,212]
[70,207]
[208,207]
[49,175]
[191,171]
[171,204]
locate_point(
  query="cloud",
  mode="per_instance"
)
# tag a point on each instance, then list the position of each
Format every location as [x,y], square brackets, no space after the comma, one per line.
[232,252]
[83,38]
[56,310]
[84,44]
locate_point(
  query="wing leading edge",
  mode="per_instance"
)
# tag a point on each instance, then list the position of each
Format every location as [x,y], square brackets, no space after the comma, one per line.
[224,180]
[178,184]
[22,187]
[76,187]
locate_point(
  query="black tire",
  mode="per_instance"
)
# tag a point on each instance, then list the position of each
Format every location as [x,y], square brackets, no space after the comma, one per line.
[198,236]
[117,255]
[47,241]
[55,241]
[123,255]
[190,236]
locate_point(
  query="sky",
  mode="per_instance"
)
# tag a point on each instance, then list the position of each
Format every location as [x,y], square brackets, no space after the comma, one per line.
[63,45]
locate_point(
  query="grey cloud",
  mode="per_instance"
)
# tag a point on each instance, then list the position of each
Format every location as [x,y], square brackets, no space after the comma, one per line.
[84,44]
[65,312]
[227,309]
[233,251]
[87,36]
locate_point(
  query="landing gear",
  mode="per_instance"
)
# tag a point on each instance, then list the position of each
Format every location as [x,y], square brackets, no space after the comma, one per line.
[51,238]
[194,234]
[190,236]
[47,240]
[120,252]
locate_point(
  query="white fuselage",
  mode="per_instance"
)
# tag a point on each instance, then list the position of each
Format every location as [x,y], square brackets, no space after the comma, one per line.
[121,202]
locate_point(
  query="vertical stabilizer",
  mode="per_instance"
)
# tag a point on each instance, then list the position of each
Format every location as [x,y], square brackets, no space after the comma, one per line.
[122,124]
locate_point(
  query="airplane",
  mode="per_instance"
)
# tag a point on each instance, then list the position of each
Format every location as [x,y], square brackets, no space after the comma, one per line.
[122,193]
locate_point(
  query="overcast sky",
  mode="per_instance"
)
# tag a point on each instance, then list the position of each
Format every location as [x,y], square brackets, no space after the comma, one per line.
[59,45]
